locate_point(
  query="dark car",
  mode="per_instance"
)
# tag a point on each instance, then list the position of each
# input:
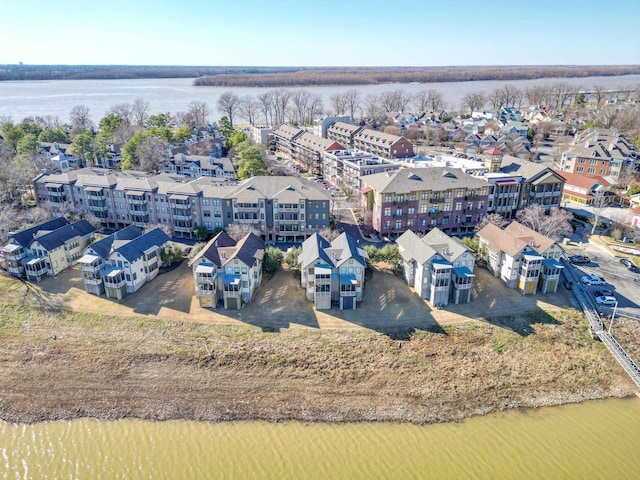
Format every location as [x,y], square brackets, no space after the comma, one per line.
[629,264]
[579,259]
[603,293]
[186,252]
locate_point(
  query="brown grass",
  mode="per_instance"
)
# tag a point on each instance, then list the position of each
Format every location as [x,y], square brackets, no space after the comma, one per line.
[113,367]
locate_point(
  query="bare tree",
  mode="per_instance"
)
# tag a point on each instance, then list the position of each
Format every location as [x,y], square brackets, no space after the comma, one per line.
[494,218]
[600,203]
[338,103]
[228,104]
[281,100]
[428,100]
[124,111]
[474,101]
[300,99]
[315,107]
[80,117]
[266,101]
[200,112]
[329,234]
[240,230]
[554,224]
[372,108]
[139,111]
[394,100]
[535,95]
[495,99]
[152,154]
[4,120]
[352,101]
[248,108]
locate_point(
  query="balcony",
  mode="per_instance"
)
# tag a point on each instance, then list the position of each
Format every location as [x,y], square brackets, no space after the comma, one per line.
[182,215]
[136,201]
[102,207]
[91,279]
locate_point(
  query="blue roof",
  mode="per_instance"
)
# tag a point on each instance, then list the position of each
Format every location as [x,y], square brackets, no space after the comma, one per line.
[59,237]
[442,262]
[136,247]
[463,272]
[103,247]
[230,279]
[24,237]
[552,263]
[347,279]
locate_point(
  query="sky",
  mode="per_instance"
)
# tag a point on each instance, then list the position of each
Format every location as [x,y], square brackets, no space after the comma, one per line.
[320,33]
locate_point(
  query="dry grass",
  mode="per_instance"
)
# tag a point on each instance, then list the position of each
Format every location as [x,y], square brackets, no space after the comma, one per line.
[112,367]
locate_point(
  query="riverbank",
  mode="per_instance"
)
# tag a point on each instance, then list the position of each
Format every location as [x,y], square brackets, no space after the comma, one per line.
[59,365]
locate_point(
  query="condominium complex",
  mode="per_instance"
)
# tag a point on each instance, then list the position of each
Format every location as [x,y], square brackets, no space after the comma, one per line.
[280,208]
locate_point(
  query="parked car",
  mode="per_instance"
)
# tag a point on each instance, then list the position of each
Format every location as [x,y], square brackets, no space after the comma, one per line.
[593,280]
[629,264]
[186,252]
[603,293]
[579,259]
[606,301]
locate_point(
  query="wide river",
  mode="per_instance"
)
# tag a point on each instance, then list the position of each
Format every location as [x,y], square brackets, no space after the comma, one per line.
[594,440]
[58,97]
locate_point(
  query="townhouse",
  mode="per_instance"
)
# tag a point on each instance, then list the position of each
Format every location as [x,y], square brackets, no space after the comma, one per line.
[438,267]
[47,249]
[59,154]
[504,193]
[540,185]
[123,262]
[582,189]
[282,138]
[382,144]
[345,168]
[280,208]
[599,152]
[196,166]
[343,133]
[332,272]
[17,249]
[420,199]
[307,151]
[228,271]
[521,257]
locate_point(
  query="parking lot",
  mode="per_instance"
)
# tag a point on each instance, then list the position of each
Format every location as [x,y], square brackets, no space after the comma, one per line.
[388,303]
[606,264]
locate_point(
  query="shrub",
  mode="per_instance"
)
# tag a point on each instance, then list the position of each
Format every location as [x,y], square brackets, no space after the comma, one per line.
[272,259]
[291,258]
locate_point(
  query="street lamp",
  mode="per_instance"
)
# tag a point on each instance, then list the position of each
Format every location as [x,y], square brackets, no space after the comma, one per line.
[613,315]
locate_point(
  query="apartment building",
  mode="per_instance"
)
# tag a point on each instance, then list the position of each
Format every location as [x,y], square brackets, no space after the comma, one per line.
[438,267]
[522,258]
[282,138]
[196,166]
[382,144]
[420,199]
[123,263]
[504,193]
[332,272]
[343,133]
[540,185]
[582,189]
[280,208]
[345,168]
[599,152]
[17,249]
[228,271]
[307,151]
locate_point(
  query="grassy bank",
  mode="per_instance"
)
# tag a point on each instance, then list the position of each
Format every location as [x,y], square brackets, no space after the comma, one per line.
[63,365]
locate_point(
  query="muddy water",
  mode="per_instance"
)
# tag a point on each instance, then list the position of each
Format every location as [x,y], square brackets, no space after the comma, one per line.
[592,440]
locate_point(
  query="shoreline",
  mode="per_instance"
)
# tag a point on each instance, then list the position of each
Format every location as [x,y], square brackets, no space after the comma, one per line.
[110,368]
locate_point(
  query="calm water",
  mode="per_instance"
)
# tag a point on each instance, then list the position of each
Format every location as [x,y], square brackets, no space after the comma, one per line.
[595,440]
[57,98]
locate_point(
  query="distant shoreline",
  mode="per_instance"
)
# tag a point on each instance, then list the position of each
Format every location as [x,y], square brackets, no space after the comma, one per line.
[306,76]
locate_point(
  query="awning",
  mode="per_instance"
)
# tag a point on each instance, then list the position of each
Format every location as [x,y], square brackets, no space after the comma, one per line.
[506,182]
[10,247]
[93,189]
[441,264]
[178,197]
[348,280]
[53,185]
[204,268]
[463,272]
[134,194]
[552,263]
[366,190]
[89,259]
[322,269]
[32,260]
[532,256]
[231,280]
[111,271]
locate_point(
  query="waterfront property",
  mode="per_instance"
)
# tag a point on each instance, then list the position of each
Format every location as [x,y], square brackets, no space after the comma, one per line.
[17,249]
[332,272]
[228,271]
[438,267]
[521,257]
[382,144]
[48,252]
[540,185]
[280,208]
[420,199]
[122,262]
[345,168]
[196,166]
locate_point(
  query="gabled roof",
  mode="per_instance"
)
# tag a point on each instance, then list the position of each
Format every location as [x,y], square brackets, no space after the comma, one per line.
[24,237]
[425,248]
[105,246]
[345,247]
[249,249]
[210,251]
[135,248]
[412,248]
[312,249]
[582,181]
[287,132]
[60,236]
[408,180]
[377,138]
[513,238]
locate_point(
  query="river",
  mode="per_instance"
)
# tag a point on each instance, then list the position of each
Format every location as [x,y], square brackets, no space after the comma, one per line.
[56,98]
[594,440]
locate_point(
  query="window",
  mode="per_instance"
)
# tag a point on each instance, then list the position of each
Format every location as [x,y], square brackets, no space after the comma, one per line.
[388,198]
[387,212]
[591,170]
[447,207]
[398,211]
[411,211]
[458,205]
[398,224]
[423,208]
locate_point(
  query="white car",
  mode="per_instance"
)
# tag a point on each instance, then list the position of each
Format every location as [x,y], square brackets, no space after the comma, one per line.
[606,301]
[593,280]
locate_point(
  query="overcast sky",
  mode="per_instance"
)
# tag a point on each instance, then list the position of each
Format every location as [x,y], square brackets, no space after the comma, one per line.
[319,33]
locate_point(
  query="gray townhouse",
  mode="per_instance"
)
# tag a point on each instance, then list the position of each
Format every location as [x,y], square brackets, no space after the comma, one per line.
[280,208]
